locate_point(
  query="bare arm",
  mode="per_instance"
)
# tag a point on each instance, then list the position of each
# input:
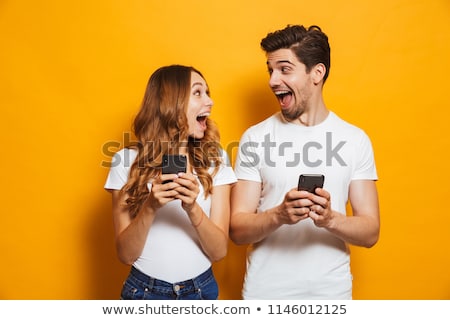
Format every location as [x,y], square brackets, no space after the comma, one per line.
[360,229]
[130,234]
[247,226]
[212,232]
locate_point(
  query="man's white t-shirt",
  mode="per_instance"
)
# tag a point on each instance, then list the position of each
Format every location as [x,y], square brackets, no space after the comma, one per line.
[302,261]
[172,251]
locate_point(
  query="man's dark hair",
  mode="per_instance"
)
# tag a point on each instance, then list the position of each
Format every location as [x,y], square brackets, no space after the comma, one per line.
[309,45]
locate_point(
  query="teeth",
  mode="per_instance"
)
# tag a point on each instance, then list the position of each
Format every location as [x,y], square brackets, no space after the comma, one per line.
[206,114]
[279,93]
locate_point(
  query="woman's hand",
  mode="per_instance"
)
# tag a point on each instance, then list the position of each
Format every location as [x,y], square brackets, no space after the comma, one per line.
[187,190]
[164,190]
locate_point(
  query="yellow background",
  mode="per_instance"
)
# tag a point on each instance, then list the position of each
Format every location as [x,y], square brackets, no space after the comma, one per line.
[72,75]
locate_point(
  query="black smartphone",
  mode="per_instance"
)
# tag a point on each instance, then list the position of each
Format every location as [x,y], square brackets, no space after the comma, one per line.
[174,163]
[310,182]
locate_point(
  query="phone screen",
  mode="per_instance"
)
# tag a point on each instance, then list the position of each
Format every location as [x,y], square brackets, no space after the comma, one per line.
[310,182]
[174,163]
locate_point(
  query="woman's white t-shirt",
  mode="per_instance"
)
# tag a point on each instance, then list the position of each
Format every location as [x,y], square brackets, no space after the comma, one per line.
[172,251]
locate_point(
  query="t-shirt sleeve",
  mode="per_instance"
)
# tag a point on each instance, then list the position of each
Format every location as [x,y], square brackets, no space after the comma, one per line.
[225,175]
[118,172]
[247,160]
[365,163]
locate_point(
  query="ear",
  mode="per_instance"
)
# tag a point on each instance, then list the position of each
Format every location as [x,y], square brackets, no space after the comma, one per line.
[318,72]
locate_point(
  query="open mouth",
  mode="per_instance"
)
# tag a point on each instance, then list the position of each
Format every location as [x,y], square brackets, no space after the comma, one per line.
[284,97]
[201,119]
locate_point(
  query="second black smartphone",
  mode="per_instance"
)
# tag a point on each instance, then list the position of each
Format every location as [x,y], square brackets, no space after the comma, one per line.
[310,182]
[173,163]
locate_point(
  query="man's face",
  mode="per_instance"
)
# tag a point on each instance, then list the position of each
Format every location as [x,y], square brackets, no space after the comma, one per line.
[290,82]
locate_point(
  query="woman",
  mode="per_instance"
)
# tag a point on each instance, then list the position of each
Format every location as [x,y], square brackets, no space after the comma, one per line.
[171,227]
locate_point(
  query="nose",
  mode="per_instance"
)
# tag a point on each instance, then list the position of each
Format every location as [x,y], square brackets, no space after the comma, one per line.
[274,80]
[209,101]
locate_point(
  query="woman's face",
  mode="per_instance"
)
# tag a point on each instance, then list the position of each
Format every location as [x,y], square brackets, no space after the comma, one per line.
[199,106]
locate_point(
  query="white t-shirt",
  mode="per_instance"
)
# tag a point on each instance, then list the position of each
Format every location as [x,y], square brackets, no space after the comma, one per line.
[172,251]
[302,261]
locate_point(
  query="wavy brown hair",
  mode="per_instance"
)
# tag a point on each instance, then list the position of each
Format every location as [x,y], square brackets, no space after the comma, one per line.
[161,127]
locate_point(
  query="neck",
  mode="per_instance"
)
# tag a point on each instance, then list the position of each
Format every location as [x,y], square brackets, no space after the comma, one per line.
[313,117]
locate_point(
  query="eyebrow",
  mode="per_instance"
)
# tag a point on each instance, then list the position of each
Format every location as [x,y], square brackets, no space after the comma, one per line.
[281,61]
[197,83]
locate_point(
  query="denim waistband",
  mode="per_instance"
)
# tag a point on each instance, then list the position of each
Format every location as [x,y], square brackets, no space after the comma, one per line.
[179,287]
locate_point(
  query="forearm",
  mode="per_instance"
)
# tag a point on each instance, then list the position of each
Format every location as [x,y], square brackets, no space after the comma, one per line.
[362,228]
[213,240]
[130,242]
[246,227]
[355,230]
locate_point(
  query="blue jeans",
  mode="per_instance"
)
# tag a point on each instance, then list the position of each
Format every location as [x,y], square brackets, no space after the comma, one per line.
[139,286]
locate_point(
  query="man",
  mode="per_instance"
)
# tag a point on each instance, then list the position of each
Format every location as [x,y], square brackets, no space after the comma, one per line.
[299,240]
